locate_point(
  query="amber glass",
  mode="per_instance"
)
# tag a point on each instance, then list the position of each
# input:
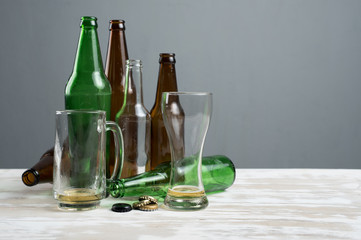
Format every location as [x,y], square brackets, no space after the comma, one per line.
[134,120]
[115,71]
[115,64]
[41,172]
[167,82]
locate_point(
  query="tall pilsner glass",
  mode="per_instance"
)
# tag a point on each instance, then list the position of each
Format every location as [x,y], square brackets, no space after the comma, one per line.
[186,192]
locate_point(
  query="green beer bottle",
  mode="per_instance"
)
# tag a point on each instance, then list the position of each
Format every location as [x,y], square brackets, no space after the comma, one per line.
[218,173]
[88,87]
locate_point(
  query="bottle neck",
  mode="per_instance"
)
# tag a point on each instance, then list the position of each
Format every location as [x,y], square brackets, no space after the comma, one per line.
[153,182]
[42,171]
[167,81]
[117,53]
[30,177]
[133,93]
[134,83]
[88,56]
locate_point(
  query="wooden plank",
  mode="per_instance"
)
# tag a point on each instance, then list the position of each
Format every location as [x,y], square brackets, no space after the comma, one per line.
[262,204]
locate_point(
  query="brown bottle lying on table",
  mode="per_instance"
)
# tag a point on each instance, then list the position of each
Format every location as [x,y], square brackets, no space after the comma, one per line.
[42,171]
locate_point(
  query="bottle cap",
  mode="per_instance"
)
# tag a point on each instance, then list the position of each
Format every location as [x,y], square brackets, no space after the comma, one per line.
[149,198]
[142,203]
[149,207]
[121,207]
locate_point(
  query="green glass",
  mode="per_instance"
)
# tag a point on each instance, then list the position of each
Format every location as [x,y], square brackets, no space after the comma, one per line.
[218,173]
[88,88]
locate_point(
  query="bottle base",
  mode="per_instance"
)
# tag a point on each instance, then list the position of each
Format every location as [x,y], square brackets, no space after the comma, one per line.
[78,207]
[185,198]
[78,199]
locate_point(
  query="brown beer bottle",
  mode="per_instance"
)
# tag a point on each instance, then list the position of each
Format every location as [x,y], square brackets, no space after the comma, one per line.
[167,82]
[42,171]
[115,72]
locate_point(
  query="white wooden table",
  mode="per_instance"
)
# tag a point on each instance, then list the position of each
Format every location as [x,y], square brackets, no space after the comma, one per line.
[262,204]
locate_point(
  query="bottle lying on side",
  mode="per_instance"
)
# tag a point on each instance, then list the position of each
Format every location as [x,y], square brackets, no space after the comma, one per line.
[218,173]
[42,171]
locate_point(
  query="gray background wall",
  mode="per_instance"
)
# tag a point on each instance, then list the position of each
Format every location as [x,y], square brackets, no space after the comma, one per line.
[286,74]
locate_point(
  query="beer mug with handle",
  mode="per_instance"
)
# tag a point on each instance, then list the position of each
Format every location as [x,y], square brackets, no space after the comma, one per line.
[79,158]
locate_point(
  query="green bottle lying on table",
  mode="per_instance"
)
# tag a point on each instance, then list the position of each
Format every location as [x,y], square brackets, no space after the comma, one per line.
[218,173]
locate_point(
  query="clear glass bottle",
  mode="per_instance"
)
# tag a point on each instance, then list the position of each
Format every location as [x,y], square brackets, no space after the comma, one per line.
[134,120]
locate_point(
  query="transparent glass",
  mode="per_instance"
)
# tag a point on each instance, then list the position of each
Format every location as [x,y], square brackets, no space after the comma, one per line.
[134,120]
[186,191]
[79,177]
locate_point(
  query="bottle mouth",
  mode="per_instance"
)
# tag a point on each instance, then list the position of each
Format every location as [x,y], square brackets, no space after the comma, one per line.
[133,63]
[115,188]
[167,58]
[88,21]
[116,24]
[30,177]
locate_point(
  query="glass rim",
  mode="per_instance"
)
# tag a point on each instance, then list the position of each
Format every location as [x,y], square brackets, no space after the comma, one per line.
[189,93]
[89,18]
[165,54]
[116,21]
[133,63]
[77,111]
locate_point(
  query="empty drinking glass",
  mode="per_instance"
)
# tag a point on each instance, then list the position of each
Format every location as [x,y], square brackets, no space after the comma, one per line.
[186,192]
[79,158]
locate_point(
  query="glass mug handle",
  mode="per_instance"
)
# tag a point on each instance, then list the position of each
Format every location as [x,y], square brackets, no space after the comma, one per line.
[119,146]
